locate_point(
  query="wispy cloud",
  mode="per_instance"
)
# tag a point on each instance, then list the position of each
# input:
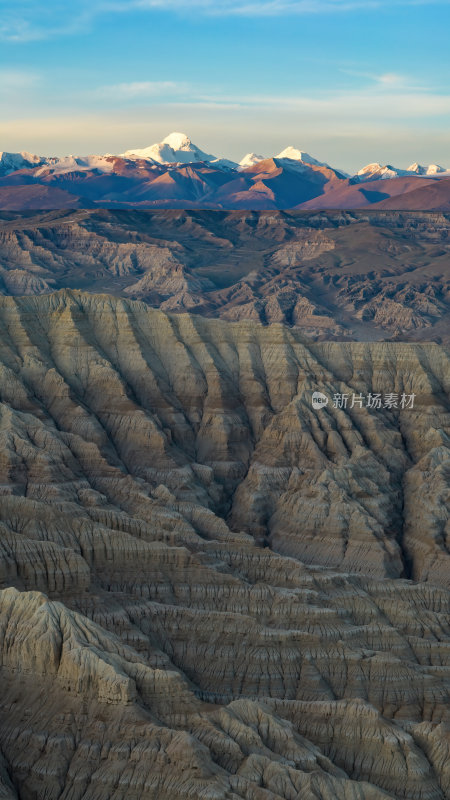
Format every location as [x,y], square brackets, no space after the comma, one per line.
[136,90]
[23,21]
[393,81]
[269,7]
[13,80]
[387,96]
[257,7]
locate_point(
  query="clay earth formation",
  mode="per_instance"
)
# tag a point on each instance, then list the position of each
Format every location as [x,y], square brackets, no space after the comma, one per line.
[209,588]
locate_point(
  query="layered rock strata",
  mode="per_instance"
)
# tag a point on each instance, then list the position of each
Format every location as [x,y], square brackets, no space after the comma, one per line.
[210,588]
[333,275]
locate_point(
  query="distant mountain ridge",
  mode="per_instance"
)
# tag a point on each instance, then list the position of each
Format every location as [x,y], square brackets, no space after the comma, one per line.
[176,173]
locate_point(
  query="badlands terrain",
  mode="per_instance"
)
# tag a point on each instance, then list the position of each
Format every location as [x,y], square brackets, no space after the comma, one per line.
[334,275]
[209,588]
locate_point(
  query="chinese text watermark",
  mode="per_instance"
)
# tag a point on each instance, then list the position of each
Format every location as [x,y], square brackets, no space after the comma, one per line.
[372,400]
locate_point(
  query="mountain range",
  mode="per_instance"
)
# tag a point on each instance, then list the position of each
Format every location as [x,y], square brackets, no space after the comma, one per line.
[175,173]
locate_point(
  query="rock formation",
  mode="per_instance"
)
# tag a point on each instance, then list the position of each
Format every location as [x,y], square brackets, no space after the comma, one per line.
[210,588]
[333,275]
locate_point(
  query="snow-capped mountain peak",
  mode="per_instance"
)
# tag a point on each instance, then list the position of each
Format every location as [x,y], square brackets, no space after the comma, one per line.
[431,169]
[250,159]
[299,155]
[67,164]
[176,148]
[178,141]
[10,162]
[377,171]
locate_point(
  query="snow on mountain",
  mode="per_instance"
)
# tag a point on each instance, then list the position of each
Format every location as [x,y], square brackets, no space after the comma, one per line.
[250,159]
[10,162]
[299,155]
[431,169]
[223,163]
[376,171]
[176,148]
[66,164]
[178,141]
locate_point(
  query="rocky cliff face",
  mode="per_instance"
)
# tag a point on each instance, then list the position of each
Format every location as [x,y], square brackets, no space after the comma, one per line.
[206,582]
[333,275]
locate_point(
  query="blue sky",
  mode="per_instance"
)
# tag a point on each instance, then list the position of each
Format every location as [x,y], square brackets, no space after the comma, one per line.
[346,80]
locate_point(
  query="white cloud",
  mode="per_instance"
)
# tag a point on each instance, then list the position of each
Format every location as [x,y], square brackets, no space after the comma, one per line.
[388,80]
[369,103]
[388,96]
[391,79]
[17,79]
[267,7]
[22,21]
[136,90]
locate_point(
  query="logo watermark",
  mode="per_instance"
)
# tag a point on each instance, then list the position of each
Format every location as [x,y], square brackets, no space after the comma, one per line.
[319,400]
[372,400]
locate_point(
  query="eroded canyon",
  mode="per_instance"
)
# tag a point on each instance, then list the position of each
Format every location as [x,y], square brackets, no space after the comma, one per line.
[334,275]
[210,588]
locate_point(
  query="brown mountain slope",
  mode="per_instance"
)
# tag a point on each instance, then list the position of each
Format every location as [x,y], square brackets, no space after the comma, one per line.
[273,183]
[434,195]
[206,582]
[270,184]
[38,197]
[282,185]
[395,192]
